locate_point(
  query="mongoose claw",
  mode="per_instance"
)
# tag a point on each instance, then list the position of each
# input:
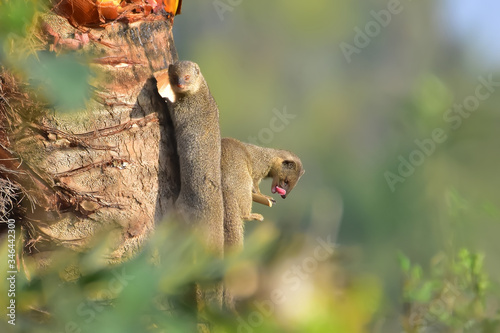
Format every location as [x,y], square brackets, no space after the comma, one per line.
[271,199]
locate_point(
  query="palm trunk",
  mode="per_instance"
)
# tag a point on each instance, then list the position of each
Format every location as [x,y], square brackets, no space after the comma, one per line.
[111,164]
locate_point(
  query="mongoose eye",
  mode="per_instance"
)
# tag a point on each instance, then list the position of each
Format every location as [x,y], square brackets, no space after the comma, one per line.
[187,77]
[286,181]
[288,164]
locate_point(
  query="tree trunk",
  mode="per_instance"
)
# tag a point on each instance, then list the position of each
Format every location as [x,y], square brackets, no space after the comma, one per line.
[113,164]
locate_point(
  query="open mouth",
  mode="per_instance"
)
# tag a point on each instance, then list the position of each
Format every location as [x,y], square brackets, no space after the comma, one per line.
[279,190]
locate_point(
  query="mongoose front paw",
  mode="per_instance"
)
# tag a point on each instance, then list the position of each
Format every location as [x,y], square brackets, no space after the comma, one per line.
[263,199]
[271,199]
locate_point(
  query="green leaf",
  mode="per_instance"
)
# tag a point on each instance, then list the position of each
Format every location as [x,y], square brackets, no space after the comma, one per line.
[416,272]
[424,293]
[404,262]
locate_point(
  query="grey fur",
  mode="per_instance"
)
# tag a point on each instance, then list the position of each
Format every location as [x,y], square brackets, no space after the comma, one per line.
[195,116]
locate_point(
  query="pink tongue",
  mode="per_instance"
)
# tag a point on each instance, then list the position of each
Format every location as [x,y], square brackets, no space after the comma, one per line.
[280,190]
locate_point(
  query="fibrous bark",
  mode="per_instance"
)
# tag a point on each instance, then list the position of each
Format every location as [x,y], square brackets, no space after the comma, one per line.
[112,165]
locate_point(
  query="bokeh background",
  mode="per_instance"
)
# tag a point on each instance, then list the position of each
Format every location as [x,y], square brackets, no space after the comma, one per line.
[353,119]
[280,75]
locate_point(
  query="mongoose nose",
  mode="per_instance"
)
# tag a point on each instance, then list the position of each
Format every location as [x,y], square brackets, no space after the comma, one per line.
[180,85]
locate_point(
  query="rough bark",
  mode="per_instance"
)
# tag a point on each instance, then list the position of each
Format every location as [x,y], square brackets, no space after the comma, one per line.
[112,166]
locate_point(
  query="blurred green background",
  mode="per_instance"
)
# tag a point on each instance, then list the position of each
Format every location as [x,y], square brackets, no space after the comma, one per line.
[353,119]
[280,75]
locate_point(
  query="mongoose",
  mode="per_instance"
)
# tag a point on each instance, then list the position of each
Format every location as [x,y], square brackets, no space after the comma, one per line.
[243,166]
[195,116]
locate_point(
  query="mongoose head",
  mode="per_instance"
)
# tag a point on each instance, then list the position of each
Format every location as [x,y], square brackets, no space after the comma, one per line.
[181,78]
[286,172]
[185,77]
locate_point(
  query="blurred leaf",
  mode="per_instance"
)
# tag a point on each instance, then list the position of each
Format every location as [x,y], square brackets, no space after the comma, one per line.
[492,210]
[16,16]
[404,262]
[456,203]
[416,273]
[63,79]
[425,292]
[432,96]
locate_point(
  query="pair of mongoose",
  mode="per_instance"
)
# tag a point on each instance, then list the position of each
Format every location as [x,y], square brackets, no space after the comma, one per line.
[219,178]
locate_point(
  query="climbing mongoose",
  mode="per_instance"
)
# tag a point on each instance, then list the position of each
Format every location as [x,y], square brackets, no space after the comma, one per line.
[243,167]
[195,116]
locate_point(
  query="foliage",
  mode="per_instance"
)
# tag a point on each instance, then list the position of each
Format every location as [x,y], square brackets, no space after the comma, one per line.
[351,123]
[455,296]
[80,293]
[62,78]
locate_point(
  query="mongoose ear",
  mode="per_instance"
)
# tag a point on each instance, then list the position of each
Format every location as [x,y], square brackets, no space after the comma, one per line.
[163,85]
[288,164]
[302,172]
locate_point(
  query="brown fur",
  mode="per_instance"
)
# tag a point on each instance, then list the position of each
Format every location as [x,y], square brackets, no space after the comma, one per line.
[243,167]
